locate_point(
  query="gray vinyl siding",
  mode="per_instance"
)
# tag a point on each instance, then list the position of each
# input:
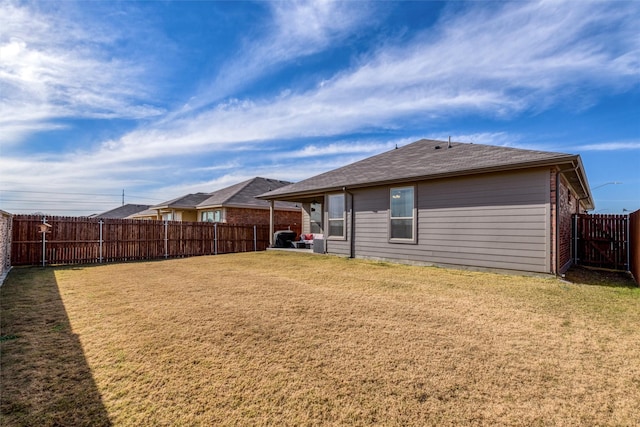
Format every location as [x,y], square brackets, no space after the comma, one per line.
[489,221]
[339,246]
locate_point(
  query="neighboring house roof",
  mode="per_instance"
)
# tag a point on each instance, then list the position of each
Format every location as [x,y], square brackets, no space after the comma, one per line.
[188,202]
[429,159]
[244,194]
[123,211]
[144,214]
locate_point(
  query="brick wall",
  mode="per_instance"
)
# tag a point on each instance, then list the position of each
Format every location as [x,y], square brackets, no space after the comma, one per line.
[552,232]
[261,216]
[568,205]
[5,243]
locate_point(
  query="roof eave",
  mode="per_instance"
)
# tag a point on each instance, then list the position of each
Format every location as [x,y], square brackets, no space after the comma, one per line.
[173,207]
[244,206]
[578,180]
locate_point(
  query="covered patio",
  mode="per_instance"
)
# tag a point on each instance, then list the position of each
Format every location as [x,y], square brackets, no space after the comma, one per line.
[312,221]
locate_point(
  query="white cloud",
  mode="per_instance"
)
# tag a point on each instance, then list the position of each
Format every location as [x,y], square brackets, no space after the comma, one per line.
[610,146]
[298,29]
[335,148]
[489,138]
[55,68]
[496,61]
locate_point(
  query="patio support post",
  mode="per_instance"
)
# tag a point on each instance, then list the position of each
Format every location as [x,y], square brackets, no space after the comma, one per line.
[271,221]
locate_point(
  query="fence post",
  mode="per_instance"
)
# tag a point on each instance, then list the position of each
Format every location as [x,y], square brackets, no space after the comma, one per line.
[166,239]
[215,238]
[575,239]
[627,220]
[255,239]
[100,256]
[44,241]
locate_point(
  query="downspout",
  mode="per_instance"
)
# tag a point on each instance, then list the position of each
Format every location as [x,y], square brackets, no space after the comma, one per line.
[352,226]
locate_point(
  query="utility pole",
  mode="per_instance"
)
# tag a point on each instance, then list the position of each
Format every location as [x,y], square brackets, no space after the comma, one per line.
[123,197]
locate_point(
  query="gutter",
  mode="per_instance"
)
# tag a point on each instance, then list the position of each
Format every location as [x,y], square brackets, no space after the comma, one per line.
[584,183]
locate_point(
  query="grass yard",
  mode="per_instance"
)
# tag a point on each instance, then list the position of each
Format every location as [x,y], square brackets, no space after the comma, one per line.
[275,338]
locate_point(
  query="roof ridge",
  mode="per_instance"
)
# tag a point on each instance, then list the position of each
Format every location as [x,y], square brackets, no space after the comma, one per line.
[241,186]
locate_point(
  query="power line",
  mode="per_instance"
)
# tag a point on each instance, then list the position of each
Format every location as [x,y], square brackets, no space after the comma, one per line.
[79,194]
[55,209]
[60,192]
[57,202]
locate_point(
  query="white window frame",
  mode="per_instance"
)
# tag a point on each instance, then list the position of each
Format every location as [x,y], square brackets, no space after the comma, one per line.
[343,218]
[414,215]
[213,212]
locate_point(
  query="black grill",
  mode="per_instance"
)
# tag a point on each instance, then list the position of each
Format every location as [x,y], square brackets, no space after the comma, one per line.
[283,239]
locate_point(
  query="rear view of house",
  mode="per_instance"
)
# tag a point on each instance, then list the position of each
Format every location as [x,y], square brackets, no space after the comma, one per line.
[435,202]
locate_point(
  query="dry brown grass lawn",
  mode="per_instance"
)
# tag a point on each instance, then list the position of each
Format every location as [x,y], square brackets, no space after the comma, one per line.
[291,339]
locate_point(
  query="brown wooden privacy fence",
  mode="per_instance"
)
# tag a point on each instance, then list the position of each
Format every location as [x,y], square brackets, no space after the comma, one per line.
[602,241]
[76,240]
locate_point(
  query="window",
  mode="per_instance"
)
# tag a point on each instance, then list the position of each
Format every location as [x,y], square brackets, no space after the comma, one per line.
[336,215]
[401,218]
[315,216]
[211,216]
[167,216]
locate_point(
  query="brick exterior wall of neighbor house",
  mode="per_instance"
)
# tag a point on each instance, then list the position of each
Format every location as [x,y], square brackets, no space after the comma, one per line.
[5,243]
[261,216]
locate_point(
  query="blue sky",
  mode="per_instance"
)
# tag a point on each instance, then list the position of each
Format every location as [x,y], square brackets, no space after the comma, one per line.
[162,98]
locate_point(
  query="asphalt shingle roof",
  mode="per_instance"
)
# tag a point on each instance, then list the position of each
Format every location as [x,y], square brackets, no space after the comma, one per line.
[188,201]
[123,211]
[244,194]
[423,159]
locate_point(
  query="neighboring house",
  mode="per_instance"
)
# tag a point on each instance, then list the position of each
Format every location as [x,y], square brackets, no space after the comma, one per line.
[146,214]
[433,202]
[182,208]
[123,211]
[236,204]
